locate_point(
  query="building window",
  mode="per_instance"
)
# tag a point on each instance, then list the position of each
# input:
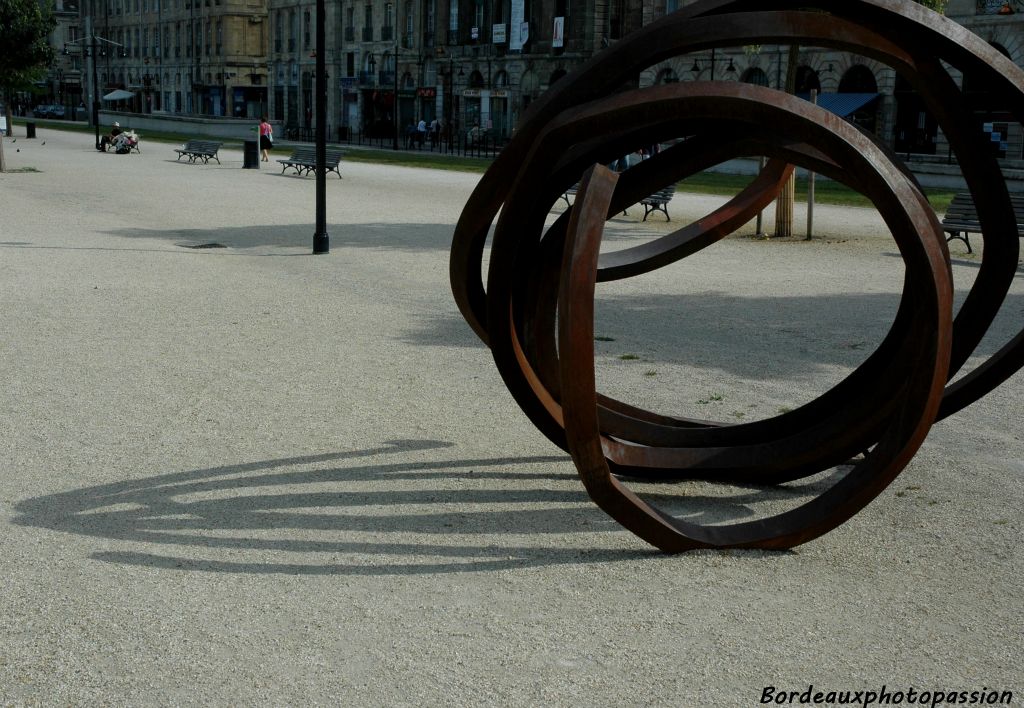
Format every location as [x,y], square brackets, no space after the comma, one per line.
[453,15]
[279,32]
[220,38]
[407,39]
[177,40]
[616,19]
[305,29]
[478,15]
[293,30]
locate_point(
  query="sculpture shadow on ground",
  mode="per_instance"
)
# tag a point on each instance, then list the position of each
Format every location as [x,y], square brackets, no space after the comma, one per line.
[419,516]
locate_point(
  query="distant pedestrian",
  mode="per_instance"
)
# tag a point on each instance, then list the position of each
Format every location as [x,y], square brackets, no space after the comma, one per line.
[266,138]
[421,132]
[435,132]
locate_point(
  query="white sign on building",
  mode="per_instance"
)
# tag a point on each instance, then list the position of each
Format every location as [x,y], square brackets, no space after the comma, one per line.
[517,40]
[558,33]
[498,34]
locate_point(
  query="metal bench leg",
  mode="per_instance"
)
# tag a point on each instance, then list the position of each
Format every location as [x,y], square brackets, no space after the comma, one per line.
[961,236]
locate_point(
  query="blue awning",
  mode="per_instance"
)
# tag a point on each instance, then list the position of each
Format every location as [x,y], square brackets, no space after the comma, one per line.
[842,104]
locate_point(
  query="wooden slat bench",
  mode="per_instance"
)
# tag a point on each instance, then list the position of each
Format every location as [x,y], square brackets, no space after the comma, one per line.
[655,202]
[303,160]
[961,218]
[204,150]
[658,202]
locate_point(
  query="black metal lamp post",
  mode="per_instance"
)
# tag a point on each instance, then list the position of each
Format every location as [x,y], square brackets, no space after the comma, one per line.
[321,240]
[394,142]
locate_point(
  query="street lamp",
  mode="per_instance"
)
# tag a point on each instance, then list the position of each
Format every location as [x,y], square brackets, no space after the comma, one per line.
[394,143]
[321,239]
[95,46]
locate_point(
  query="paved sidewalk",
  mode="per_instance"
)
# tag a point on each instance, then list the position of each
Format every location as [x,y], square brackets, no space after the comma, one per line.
[250,476]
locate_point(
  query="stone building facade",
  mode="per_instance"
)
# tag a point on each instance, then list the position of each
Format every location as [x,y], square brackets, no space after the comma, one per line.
[468,62]
[866,91]
[191,57]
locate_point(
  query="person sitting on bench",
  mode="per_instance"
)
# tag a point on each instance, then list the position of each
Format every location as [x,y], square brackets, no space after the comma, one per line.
[106,140]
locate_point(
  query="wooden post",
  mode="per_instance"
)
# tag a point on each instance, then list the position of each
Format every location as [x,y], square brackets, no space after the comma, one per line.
[810,185]
[784,203]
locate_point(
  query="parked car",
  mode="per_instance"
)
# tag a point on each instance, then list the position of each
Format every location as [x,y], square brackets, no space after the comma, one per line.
[47,110]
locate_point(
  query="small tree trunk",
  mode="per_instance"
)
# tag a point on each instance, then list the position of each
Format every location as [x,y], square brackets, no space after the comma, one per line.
[784,208]
[784,203]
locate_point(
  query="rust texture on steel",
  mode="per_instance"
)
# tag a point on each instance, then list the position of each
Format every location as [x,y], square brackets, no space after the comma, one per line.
[536,312]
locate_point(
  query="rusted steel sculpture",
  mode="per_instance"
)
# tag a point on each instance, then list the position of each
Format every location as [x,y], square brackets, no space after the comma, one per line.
[536,313]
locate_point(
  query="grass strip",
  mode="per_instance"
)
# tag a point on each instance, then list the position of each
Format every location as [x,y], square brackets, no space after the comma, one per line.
[825,191]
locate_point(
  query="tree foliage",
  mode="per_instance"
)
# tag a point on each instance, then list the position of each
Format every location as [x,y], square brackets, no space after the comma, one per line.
[937,5]
[25,27]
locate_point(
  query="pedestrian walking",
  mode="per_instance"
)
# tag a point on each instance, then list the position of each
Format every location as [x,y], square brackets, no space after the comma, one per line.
[266,138]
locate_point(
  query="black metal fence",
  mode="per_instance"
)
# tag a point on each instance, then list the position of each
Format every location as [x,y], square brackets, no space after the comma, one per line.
[470,143]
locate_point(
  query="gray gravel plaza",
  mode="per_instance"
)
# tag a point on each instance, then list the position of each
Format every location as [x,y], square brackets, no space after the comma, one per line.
[251,476]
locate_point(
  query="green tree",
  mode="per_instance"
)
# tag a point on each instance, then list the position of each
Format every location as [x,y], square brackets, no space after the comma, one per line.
[937,5]
[25,27]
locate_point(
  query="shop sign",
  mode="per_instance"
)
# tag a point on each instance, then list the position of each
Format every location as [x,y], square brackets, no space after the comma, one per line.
[498,34]
[426,91]
[471,93]
[499,93]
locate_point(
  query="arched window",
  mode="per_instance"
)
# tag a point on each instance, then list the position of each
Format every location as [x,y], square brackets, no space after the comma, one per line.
[666,76]
[476,80]
[755,76]
[501,79]
[807,80]
[858,79]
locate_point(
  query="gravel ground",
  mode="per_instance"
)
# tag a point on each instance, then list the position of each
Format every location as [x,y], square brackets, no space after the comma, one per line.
[247,476]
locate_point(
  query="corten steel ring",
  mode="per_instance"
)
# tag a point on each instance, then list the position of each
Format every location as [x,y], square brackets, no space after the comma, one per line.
[537,311]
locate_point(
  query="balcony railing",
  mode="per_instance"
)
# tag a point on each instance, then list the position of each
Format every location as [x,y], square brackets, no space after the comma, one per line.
[367,34]
[367,78]
[350,34]
[453,36]
[428,40]
[387,78]
[387,34]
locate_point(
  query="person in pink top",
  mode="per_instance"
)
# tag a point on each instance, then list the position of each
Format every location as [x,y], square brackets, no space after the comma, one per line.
[266,138]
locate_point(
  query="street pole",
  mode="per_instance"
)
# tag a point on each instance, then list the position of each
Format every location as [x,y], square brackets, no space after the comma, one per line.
[321,241]
[394,144]
[95,82]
